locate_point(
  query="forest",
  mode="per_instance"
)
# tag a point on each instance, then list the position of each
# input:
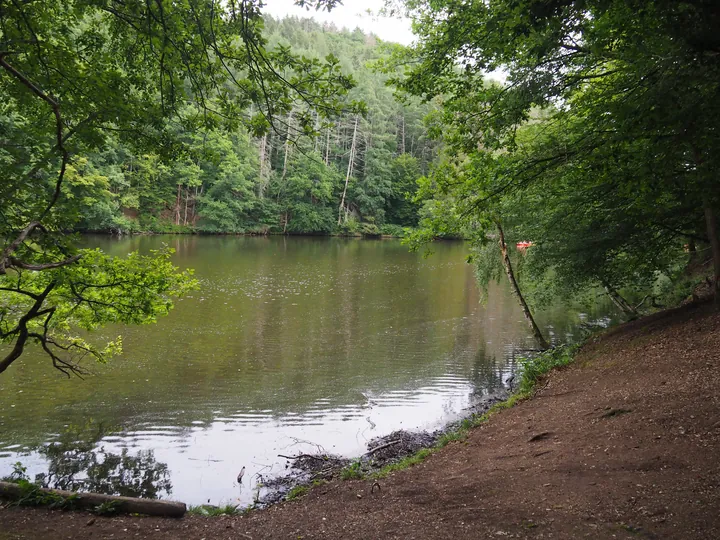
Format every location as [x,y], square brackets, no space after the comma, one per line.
[357,174]
[598,149]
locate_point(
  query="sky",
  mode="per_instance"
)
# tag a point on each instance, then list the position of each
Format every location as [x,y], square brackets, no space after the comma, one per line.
[350,15]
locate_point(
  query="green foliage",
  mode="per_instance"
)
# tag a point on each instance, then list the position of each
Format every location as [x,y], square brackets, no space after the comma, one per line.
[534,368]
[600,148]
[93,291]
[452,436]
[32,495]
[108,508]
[405,463]
[18,474]
[208,510]
[133,116]
[396,231]
[297,492]
[353,471]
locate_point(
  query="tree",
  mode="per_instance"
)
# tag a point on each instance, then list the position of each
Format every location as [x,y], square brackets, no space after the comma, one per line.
[75,72]
[604,133]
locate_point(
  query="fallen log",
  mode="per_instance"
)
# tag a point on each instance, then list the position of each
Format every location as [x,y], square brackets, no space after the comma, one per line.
[126,505]
[382,446]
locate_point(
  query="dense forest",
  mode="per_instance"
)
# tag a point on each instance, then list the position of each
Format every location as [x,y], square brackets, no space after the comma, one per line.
[358,174]
[599,150]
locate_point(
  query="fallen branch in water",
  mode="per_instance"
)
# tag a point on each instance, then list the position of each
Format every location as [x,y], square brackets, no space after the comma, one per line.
[321,458]
[378,448]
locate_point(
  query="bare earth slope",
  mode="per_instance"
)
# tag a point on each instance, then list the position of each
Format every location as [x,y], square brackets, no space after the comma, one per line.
[625,443]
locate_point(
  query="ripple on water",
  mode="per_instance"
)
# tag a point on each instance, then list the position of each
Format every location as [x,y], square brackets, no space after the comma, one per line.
[291,346]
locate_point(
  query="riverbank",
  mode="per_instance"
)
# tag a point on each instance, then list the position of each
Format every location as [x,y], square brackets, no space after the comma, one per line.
[624,443]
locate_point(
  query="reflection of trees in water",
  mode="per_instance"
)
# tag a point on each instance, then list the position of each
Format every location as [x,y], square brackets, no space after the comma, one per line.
[487,373]
[77,463]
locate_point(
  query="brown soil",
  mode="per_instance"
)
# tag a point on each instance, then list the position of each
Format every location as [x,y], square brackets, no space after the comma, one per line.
[625,443]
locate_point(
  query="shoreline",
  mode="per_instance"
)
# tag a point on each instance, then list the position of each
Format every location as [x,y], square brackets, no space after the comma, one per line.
[623,442]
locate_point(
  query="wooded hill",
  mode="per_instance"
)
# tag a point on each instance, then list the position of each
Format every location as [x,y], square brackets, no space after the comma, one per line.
[355,175]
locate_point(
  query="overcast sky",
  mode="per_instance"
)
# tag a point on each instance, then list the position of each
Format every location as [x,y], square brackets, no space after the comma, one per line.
[350,15]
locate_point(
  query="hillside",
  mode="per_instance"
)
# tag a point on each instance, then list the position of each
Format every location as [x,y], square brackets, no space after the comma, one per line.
[284,181]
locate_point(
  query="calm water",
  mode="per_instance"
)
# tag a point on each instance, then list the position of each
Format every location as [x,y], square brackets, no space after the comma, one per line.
[292,344]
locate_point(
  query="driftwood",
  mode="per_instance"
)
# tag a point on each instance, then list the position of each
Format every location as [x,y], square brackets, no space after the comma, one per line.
[128,505]
[378,448]
[319,458]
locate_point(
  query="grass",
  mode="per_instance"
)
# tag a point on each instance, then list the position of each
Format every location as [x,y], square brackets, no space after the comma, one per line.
[109,508]
[296,493]
[214,511]
[406,462]
[532,370]
[352,471]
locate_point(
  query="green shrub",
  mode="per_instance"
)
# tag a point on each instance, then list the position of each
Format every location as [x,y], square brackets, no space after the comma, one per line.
[297,492]
[209,510]
[369,229]
[388,229]
[352,471]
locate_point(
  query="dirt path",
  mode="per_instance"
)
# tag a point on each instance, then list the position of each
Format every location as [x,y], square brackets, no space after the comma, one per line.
[625,443]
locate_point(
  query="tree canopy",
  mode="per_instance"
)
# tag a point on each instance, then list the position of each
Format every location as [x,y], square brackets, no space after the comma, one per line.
[600,146]
[88,77]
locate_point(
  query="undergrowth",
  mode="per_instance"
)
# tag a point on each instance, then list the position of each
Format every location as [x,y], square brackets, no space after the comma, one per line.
[31,494]
[209,510]
[352,471]
[296,492]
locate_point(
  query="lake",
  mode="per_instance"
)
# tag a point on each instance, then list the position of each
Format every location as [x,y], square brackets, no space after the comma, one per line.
[291,345]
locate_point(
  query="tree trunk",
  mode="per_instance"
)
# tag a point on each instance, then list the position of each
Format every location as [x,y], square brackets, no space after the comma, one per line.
[349,172]
[617,299]
[177,206]
[263,166]
[537,334]
[128,505]
[712,232]
[287,151]
[327,148]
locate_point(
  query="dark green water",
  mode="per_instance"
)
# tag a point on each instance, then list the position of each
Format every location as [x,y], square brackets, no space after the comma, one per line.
[291,343]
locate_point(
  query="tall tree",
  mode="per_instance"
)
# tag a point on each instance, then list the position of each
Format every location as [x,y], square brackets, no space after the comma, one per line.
[612,106]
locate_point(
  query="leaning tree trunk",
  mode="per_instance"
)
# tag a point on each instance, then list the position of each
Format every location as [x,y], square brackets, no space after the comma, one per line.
[712,232]
[620,302]
[537,334]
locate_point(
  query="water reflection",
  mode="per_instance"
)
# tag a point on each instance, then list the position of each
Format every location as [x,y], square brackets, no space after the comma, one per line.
[330,341]
[78,461]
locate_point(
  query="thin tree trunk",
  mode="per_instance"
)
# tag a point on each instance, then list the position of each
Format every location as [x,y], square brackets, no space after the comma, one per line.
[620,302]
[712,232]
[537,334]
[285,158]
[317,124]
[402,143]
[187,197]
[263,166]
[349,172]
[177,206]
[327,148]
